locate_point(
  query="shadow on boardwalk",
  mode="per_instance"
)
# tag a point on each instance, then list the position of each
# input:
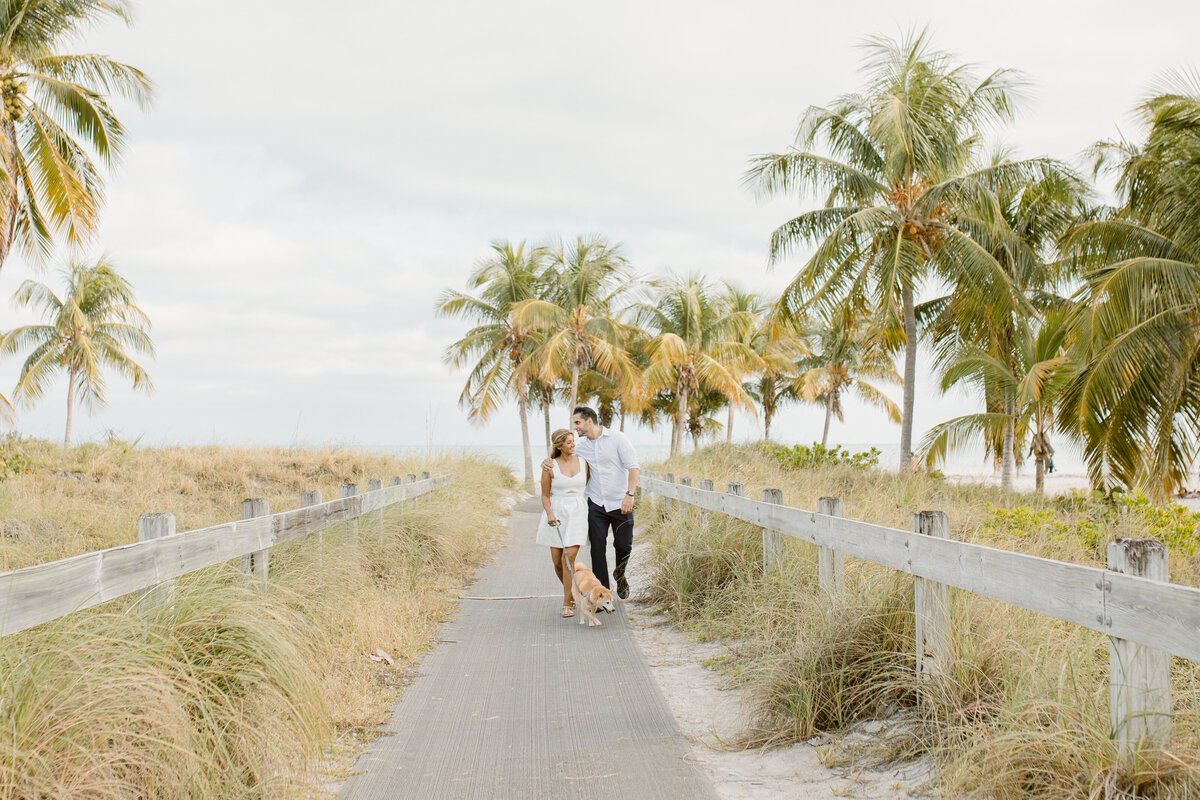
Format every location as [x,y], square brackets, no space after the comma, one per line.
[518,703]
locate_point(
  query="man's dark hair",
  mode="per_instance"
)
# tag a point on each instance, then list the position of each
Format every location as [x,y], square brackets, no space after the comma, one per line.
[586,413]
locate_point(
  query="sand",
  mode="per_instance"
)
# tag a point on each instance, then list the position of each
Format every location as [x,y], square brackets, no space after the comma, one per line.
[710,713]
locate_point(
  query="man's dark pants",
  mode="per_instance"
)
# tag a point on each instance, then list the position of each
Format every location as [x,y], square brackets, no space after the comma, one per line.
[599,522]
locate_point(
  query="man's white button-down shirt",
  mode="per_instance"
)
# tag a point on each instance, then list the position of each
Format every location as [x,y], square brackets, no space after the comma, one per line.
[610,457]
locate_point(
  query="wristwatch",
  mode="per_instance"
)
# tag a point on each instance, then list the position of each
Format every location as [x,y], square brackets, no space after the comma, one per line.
[630,494]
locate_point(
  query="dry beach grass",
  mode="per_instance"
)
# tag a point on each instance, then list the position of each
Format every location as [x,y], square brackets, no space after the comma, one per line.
[229,691]
[1023,711]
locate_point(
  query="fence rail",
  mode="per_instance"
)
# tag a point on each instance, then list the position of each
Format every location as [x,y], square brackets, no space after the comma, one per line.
[33,595]
[1146,618]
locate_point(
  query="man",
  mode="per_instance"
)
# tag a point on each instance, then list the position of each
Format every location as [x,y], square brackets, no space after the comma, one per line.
[612,479]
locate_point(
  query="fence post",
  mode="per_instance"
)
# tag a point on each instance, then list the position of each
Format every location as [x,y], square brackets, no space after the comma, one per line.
[255,563]
[313,498]
[931,602]
[349,490]
[831,564]
[770,540]
[670,478]
[375,484]
[1139,682]
[396,480]
[156,526]
[684,508]
[734,488]
[705,486]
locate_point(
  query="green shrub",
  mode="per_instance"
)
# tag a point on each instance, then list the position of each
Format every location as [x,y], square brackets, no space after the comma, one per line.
[817,455]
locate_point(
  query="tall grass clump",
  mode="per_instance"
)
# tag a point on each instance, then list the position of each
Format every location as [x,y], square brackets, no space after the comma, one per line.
[227,688]
[1020,709]
[213,696]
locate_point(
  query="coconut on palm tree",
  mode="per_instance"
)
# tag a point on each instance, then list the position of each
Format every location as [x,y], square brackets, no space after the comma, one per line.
[499,346]
[89,329]
[57,125]
[578,314]
[896,174]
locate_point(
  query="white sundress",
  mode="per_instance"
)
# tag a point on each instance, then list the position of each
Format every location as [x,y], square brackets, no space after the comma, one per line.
[569,503]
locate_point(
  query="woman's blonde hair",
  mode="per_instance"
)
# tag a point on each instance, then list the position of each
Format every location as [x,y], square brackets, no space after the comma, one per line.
[556,441]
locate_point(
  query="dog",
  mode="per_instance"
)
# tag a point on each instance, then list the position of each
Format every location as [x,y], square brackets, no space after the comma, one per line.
[589,595]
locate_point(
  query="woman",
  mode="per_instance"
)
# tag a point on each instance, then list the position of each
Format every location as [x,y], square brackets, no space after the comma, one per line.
[564,525]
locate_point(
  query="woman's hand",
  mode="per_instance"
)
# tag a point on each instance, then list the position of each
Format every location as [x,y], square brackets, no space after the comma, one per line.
[551,520]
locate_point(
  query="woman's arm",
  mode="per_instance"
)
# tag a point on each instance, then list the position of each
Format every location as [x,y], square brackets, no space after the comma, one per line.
[546,478]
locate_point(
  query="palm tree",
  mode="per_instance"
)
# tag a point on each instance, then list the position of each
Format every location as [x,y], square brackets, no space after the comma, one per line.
[56,121]
[1023,239]
[898,190]
[737,301]
[778,340]
[1034,379]
[697,345]
[90,328]
[1135,406]
[577,314]
[845,355]
[499,346]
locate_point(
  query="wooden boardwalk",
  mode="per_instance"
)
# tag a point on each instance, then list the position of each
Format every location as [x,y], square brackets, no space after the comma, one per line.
[518,703]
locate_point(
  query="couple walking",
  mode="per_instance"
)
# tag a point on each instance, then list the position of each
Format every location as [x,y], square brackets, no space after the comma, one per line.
[587,490]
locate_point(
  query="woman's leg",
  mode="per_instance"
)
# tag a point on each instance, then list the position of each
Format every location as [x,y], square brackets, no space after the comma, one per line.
[566,575]
[556,556]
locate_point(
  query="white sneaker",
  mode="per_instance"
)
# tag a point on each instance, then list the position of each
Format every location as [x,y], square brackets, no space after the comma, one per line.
[608,607]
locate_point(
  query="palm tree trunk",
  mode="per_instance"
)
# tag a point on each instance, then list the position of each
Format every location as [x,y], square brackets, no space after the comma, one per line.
[680,421]
[729,427]
[828,415]
[546,414]
[1007,458]
[523,408]
[70,409]
[910,378]
[1039,474]
[768,406]
[574,393]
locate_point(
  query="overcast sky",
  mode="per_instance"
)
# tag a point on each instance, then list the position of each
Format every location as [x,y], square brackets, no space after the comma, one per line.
[313,174]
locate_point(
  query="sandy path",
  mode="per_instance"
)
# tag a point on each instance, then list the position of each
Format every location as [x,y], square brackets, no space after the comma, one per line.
[708,713]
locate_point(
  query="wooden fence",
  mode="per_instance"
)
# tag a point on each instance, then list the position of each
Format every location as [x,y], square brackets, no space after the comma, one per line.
[1146,618]
[32,595]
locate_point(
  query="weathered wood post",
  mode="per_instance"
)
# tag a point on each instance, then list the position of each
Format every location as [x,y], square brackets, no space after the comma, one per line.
[313,498]
[734,487]
[670,478]
[831,564]
[156,526]
[255,563]
[684,508]
[931,602]
[375,484]
[771,541]
[1139,683]
[705,486]
[349,490]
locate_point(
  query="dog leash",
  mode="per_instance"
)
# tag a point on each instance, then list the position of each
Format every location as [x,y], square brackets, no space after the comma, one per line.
[557,525]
